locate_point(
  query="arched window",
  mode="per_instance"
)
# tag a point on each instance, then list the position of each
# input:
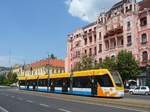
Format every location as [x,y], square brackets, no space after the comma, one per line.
[145,56]
[113,57]
[144,38]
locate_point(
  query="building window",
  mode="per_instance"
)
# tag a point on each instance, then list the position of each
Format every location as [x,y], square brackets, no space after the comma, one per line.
[90,39]
[94,38]
[85,32]
[90,30]
[113,43]
[100,60]
[144,38]
[100,48]
[90,51]
[145,56]
[107,44]
[128,25]
[113,57]
[122,41]
[78,54]
[143,21]
[129,40]
[85,41]
[95,62]
[95,51]
[85,51]
[100,35]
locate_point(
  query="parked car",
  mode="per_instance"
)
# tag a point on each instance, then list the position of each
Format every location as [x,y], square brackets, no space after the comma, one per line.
[140,90]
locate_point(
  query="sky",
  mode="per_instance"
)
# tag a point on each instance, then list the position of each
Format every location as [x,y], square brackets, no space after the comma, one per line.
[32,29]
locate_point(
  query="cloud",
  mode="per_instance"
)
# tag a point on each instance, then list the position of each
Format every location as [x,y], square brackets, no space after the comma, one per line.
[88,10]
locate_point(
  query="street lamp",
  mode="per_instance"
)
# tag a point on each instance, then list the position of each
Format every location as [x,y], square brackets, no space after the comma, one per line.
[148,74]
[71,80]
[48,65]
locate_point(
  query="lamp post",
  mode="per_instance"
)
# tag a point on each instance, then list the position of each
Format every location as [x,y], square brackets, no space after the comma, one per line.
[71,80]
[48,65]
[148,74]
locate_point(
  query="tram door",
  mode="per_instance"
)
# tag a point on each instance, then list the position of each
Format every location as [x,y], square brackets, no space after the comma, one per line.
[65,85]
[94,86]
[52,86]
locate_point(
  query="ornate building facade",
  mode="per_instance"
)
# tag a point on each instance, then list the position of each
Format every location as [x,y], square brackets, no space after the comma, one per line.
[125,26]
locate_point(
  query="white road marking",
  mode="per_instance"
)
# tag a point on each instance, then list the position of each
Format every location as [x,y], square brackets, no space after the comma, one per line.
[63,110]
[13,96]
[3,109]
[44,105]
[98,104]
[29,101]
[20,99]
[6,95]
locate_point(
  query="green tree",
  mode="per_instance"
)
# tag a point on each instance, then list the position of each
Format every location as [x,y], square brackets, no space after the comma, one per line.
[3,80]
[12,77]
[52,56]
[109,63]
[127,65]
[86,63]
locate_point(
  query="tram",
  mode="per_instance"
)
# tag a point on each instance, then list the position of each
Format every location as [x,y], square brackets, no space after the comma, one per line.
[101,82]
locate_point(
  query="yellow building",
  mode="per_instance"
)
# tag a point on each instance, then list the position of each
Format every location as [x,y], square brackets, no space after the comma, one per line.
[16,69]
[43,67]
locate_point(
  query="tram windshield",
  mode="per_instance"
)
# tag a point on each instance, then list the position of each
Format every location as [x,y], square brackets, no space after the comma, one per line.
[117,78]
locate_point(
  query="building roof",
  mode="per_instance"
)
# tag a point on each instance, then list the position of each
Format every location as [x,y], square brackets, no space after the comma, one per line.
[117,5]
[89,25]
[51,62]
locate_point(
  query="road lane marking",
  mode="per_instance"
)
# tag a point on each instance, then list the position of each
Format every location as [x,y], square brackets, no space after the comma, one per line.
[91,103]
[13,96]
[63,110]
[3,109]
[20,99]
[29,101]
[44,105]
[98,104]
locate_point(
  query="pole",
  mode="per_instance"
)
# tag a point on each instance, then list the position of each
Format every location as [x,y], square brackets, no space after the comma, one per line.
[48,89]
[148,74]
[71,80]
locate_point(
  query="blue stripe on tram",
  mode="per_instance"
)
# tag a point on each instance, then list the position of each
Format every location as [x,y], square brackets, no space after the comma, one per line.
[60,91]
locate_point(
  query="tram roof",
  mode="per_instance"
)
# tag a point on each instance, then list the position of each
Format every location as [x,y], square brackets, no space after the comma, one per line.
[90,72]
[22,78]
[65,75]
[62,75]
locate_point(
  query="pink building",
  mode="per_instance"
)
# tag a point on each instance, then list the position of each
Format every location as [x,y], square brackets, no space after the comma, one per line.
[125,26]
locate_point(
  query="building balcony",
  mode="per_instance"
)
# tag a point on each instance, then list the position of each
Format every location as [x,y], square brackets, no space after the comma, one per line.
[119,30]
[120,46]
[113,32]
[112,47]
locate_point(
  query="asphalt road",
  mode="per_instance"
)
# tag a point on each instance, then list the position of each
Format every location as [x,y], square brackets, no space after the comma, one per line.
[142,97]
[11,100]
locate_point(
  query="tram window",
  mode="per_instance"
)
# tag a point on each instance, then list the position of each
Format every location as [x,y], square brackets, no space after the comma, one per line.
[58,82]
[22,83]
[42,82]
[66,82]
[82,82]
[104,81]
